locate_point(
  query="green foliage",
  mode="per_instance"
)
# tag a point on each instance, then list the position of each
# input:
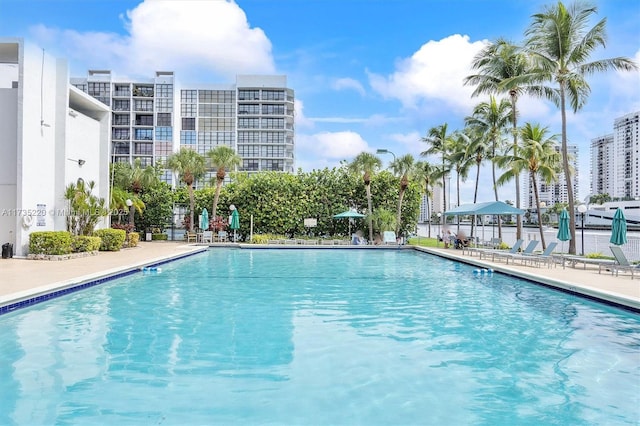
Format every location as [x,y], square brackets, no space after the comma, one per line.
[424,242]
[158,211]
[264,238]
[132,239]
[503,246]
[84,208]
[159,237]
[50,242]
[112,239]
[84,243]
[596,256]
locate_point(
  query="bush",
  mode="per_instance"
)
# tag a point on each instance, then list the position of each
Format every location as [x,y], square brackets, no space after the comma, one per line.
[112,239]
[132,239]
[50,242]
[159,237]
[83,243]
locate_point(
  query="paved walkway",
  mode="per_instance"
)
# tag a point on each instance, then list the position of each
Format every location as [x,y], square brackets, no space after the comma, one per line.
[21,279]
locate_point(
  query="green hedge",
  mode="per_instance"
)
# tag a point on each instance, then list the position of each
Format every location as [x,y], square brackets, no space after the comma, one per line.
[132,239]
[50,242]
[112,239]
[83,243]
[161,237]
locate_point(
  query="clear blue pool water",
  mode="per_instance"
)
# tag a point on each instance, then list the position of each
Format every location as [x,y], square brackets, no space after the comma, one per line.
[319,337]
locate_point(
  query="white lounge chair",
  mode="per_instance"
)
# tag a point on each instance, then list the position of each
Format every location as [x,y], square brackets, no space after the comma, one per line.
[622,264]
[510,256]
[207,236]
[544,257]
[389,237]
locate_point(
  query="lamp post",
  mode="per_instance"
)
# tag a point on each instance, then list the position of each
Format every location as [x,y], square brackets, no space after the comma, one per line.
[582,209]
[385,151]
[129,204]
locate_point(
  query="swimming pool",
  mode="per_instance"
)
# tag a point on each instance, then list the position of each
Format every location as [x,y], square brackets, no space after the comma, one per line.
[237,336]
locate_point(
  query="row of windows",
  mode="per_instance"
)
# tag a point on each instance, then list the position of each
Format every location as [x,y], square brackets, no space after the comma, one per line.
[261,123]
[206,138]
[260,151]
[164,90]
[267,165]
[260,137]
[267,95]
[209,124]
[208,96]
[265,109]
[163,119]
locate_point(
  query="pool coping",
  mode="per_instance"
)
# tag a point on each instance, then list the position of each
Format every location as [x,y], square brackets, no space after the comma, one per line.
[599,295]
[25,298]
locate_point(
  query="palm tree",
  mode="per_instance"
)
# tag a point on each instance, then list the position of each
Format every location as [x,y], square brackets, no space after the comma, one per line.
[539,156]
[222,158]
[439,142]
[478,149]
[460,161]
[497,65]
[427,174]
[403,167]
[135,178]
[560,43]
[491,119]
[189,166]
[367,164]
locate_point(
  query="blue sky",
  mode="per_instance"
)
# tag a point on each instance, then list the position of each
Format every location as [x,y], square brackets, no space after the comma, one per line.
[368,74]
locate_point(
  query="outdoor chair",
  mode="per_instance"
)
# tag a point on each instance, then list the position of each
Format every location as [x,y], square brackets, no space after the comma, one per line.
[191,237]
[389,237]
[491,252]
[222,236]
[207,236]
[622,264]
[510,256]
[545,256]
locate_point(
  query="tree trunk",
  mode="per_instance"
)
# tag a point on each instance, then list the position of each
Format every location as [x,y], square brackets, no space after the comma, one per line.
[537,196]
[514,111]
[567,172]
[369,212]
[216,197]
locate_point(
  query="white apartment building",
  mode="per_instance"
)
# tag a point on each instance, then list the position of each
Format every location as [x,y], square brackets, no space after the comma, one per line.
[151,119]
[51,135]
[556,192]
[602,167]
[142,115]
[254,116]
[615,163]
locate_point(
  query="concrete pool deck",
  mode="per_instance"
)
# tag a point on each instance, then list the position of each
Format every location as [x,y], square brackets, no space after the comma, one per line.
[21,279]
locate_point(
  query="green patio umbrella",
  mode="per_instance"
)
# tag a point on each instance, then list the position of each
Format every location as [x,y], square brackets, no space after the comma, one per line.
[618,228]
[204,219]
[235,221]
[563,227]
[350,214]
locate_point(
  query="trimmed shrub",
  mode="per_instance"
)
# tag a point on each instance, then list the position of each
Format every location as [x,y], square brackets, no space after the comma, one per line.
[112,239]
[132,239]
[159,237]
[50,242]
[83,243]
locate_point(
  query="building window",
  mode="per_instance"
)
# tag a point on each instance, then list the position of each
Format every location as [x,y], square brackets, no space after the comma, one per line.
[143,149]
[248,123]
[273,123]
[248,95]
[273,165]
[250,165]
[164,133]
[121,119]
[140,105]
[188,124]
[120,134]
[270,109]
[188,96]
[248,137]
[188,110]
[164,90]
[164,119]
[164,105]
[144,120]
[187,138]
[248,150]
[253,109]
[273,137]
[121,105]
[144,134]
[273,95]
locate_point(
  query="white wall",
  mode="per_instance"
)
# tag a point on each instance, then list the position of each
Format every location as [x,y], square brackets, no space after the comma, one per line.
[8,118]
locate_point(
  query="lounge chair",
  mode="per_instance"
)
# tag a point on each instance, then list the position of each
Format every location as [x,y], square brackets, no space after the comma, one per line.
[622,264]
[389,237]
[510,256]
[191,237]
[490,252]
[222,236]
[545,256]
[207,236]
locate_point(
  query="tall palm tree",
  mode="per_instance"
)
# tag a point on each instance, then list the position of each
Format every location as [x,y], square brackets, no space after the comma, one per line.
[439,142]
[403,167]
[222,158]
[498,64]
[427,174]
[460,161]
[367,164]
[491,119]
[539,156]
[189,166]
[560,43]
[478,149]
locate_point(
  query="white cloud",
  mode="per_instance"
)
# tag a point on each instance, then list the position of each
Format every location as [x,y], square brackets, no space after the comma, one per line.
[301,120]
[327,149]
[348,84]
[435,72]
[190,37]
